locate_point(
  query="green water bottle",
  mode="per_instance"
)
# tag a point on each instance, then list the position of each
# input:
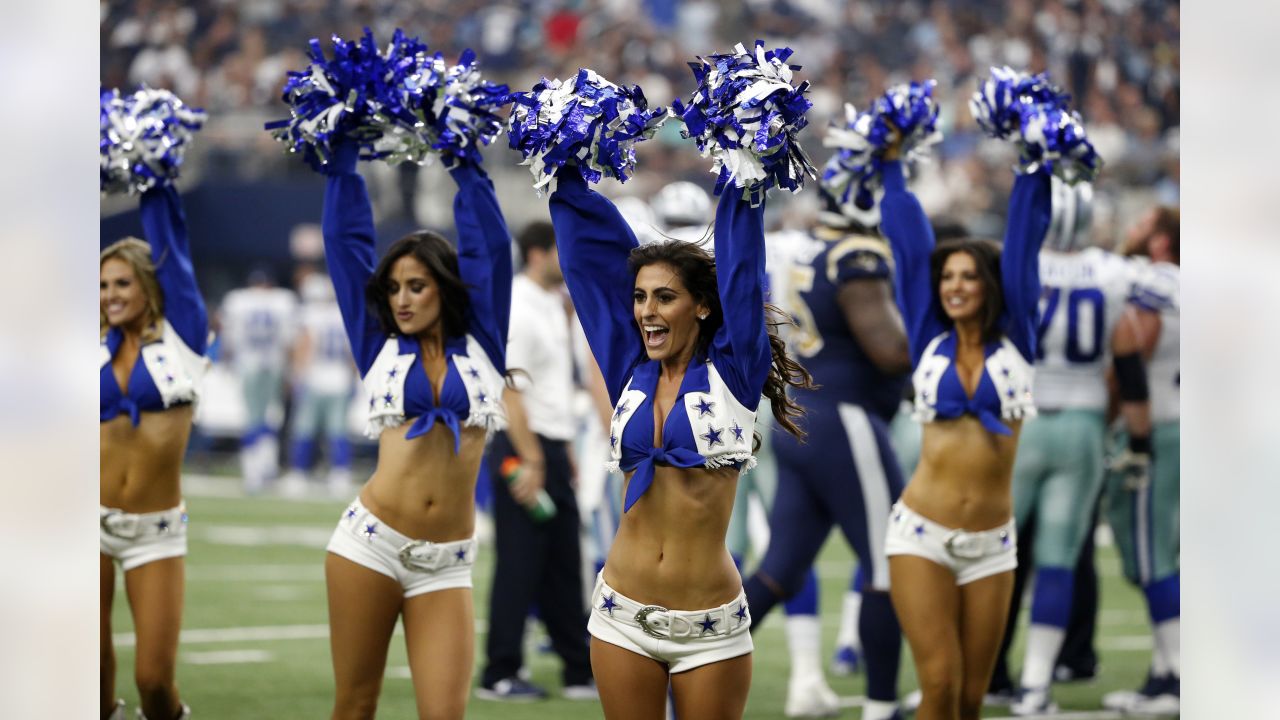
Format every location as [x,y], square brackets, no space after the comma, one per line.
[542,510]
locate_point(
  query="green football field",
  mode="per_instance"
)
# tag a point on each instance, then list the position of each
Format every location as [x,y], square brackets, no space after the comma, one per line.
[255,641]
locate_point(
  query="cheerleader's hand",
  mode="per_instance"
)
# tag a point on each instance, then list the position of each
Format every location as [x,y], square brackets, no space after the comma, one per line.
[894,149]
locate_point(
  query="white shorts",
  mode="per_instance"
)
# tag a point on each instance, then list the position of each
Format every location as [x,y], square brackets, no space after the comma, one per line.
[135,539]
[418,565]
[970,555]
[682,639]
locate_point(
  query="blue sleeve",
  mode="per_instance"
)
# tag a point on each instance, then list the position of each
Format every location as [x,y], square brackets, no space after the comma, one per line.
[1028,222]
[484,259]
[911,237]
[165,227]
[594,241]
[741,345]
[350,253]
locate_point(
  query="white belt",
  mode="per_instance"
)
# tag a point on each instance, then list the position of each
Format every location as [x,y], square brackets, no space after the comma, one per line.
[131,526]
[659,622]
[415,555]
[961,544]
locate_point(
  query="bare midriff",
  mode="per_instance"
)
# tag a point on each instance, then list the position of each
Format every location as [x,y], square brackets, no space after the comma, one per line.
[421,488]
[669,549]
[140,468]
[964,476]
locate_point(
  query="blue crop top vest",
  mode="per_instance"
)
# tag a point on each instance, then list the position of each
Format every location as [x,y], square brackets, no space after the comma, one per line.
[712,420]
[395,384]
[1004,390]
[167,372]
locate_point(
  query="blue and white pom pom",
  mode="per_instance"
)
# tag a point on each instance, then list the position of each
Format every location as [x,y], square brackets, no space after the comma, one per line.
[401,104]
[1034,113]
[144,136]
[585,120]
[745,115]
[853,177]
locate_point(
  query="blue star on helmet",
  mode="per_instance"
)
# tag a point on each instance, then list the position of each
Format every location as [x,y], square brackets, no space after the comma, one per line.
[712,436]
[388,399]
[707,624]
[704,408]
[162,525]
[461,555]
[609,605]
[737,431]
[370,529]
[741,613]
[621,409]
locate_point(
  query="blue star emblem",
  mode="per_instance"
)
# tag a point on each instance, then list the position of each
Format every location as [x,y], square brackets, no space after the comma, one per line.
[482,397]
[920,530]
[386,399]
[613,440]
[609,605]
[370,529]
[168,379]
[184,518]
[741,614]
[897,517]
[1004,371]
[1004,539]
[927,373]
[392,373]
[474,373]
[372,401]
[712,436]
[704,408]
[621,409]
[1009,392]
[461,555]
[160,360]
[707,624]
[162,525]
[351,512]
[737,431]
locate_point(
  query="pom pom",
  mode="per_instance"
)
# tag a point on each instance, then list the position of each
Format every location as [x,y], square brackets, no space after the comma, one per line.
[853,176]
[745,115]
[585,120]
[144,136]
[399,104]
[464,115]
[1034,113]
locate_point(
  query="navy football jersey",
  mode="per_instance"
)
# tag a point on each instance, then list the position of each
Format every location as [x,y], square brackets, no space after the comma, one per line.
[806,271]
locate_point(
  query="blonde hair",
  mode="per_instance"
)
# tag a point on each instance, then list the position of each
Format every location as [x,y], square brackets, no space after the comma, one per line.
[137,254]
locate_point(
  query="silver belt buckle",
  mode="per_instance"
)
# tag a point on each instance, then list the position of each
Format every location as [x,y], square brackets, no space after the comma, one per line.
[963,545]
[119,524]
[423,562]
[642,618]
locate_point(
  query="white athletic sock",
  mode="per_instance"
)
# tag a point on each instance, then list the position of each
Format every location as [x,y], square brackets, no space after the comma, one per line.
[804,640]
[849,611]
[1159,668]
[1168,637]
[1043,644]
[878,710]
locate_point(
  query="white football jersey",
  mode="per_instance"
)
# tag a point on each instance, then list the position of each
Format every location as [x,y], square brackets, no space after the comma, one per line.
[788,252]
[1083,297]
[329,369]
[258,326]
[1163,375]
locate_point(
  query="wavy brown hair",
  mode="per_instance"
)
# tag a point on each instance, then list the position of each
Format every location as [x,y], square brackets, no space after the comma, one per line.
[697,270]
[441,261]
[137,255]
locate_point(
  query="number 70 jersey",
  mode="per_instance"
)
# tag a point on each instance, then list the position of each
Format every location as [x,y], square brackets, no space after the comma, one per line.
[1081,301]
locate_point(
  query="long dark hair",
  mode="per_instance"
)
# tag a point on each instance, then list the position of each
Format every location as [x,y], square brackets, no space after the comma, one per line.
[441,260]
[697,270]
[986,257]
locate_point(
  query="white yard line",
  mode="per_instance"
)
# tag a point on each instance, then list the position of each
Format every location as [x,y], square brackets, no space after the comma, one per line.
[227,657]
[259,633]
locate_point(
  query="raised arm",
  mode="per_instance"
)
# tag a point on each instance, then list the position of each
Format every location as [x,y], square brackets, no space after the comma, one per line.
[594,241]
[165,226]
[1029,214]
[350,253]
[911,238]
[484,259]
[742,343]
